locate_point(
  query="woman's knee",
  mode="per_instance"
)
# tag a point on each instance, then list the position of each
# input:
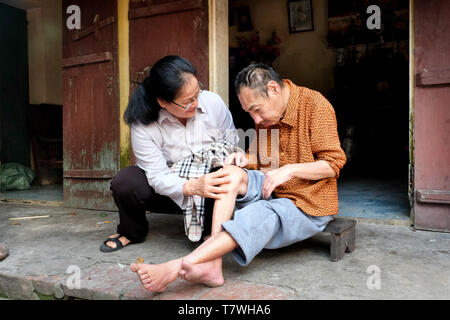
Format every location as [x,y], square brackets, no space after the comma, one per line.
[127,180]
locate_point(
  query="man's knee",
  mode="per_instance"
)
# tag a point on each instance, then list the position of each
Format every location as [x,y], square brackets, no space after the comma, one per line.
[239,178]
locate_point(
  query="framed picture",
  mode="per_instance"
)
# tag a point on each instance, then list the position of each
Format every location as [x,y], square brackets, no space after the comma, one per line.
[300,16]
[244,20]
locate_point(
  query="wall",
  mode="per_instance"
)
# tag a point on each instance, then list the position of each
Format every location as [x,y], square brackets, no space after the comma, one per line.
[14,143]
[305,57]
[36,56]
[45,52]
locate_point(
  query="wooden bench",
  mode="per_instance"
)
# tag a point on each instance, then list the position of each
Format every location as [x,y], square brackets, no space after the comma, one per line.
[342,234]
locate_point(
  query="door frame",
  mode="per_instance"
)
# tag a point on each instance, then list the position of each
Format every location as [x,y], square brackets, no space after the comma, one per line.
[219,74]
[221,14]
[412,85]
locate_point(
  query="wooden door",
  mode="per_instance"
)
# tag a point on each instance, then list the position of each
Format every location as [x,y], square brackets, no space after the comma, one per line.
[162,27]
[91,115]
[167,27]
[432,115]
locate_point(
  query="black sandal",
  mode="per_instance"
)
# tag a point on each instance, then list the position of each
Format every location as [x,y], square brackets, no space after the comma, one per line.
[105,248]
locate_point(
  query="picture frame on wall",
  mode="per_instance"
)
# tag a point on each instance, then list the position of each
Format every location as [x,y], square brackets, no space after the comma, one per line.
[300,13]
[244,20]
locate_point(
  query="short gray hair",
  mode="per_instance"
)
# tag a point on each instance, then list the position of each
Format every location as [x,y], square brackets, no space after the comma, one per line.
[256,76]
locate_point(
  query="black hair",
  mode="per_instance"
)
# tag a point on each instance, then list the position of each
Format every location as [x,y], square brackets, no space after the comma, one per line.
[167,76]
[256,76]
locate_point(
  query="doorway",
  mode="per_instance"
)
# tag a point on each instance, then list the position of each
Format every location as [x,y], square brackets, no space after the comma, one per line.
[365,76]
[31,120]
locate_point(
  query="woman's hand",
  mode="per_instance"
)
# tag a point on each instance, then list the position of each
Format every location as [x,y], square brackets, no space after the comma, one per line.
[209,185]
[238,159]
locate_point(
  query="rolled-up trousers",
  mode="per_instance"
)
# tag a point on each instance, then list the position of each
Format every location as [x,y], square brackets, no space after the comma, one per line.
[134,197]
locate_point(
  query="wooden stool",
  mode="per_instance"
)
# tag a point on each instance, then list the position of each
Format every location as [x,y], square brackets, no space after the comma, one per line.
[342,232]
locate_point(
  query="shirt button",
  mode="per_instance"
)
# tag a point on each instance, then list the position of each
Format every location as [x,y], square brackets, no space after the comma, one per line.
[282,154]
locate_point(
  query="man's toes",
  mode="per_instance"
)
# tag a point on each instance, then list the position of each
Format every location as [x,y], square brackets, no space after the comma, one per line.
[145,279]
[143,275]
[186,266]
[134,267]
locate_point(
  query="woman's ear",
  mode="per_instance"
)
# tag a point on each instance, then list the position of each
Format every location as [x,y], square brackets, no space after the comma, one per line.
[162,103]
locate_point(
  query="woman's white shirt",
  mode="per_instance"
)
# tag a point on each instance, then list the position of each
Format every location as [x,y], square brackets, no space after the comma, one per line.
[160,144]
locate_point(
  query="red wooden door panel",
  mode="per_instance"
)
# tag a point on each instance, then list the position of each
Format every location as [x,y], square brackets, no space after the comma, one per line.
[168,27]
[432,115]
[91,106]
[159,28]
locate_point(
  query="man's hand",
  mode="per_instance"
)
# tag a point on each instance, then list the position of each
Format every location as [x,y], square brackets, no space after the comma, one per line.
[207,186]
[238,159]
[275,178]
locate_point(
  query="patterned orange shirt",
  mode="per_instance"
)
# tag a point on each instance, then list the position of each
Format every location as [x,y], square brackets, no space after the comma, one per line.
[307,133]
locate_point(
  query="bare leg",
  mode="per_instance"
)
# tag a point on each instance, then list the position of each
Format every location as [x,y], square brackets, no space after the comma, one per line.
[215,247]
[205,270]
[210,273]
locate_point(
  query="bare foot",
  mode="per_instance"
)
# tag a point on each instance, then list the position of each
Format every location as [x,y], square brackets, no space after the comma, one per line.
[208,273]
[156,277]
[113,245]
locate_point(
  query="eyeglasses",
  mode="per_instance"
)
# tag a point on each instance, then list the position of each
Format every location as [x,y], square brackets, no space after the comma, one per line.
[186,108]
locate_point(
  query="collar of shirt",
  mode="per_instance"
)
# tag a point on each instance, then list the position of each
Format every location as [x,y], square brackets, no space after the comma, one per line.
[290,117]
[166,115]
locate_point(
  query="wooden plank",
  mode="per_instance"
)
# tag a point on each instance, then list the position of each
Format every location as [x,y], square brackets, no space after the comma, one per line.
[433,196]
[94,28]
[165,8]
[29,218]
[87,59]
[433,77]
[89,174]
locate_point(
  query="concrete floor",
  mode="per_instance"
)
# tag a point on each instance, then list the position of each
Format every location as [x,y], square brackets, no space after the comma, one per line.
[367,198]
[374,198]
[390,262]
[51,193]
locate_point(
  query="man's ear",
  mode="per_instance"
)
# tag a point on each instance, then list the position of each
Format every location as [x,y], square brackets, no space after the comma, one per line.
[273,87]
[162,103]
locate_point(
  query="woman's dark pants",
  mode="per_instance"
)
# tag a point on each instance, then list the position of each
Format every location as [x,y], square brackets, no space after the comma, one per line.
[133,196]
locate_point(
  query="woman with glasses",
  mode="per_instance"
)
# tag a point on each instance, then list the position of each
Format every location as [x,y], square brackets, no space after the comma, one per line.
[172,118]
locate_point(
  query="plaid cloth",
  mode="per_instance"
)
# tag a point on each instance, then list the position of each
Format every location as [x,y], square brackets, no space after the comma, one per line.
[194,167]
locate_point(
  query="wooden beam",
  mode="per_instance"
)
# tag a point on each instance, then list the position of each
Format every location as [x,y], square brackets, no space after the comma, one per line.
[87,59]
[433,77]
[165,8]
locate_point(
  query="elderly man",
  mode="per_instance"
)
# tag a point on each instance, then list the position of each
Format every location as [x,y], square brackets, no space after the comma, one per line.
[276,206]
